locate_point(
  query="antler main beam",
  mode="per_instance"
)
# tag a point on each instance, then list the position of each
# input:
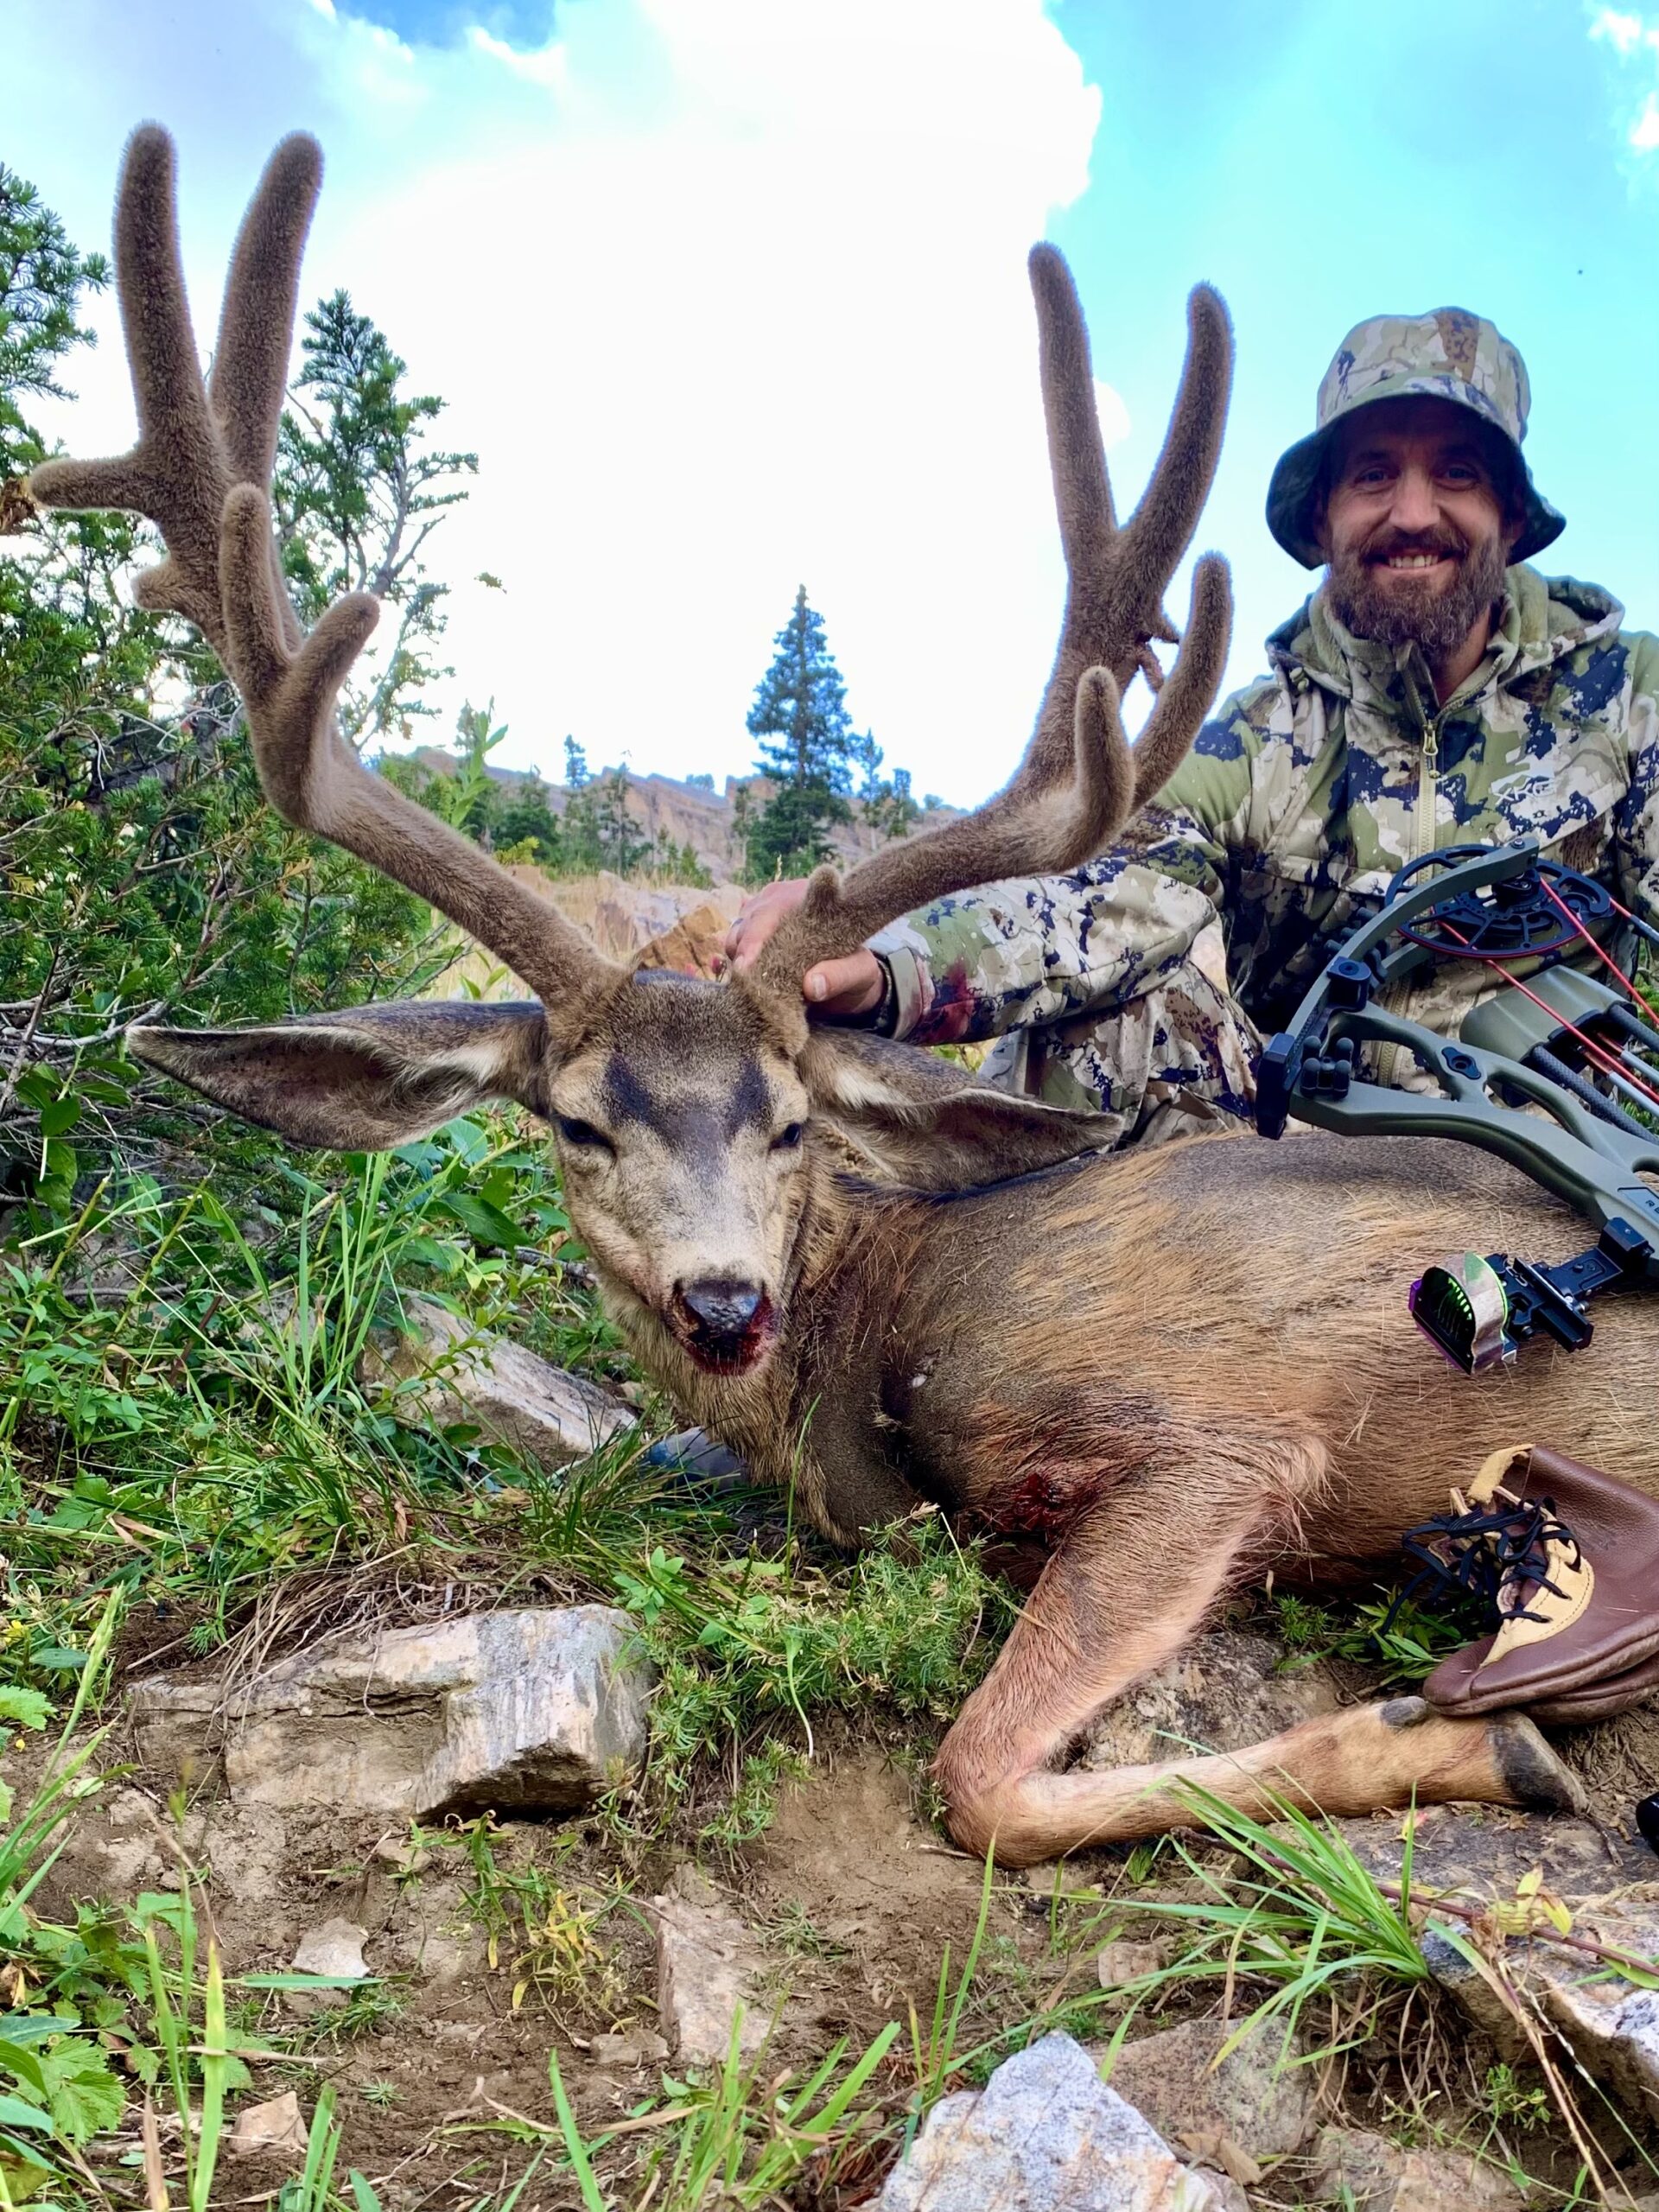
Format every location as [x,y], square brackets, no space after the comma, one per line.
[201,471]
[1079,782]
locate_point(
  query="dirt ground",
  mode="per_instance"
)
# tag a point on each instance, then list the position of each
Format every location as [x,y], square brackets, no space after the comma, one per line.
[854,1898]
[442,2069]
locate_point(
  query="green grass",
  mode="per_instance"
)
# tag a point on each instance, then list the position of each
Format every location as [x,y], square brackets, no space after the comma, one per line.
[1407,1640]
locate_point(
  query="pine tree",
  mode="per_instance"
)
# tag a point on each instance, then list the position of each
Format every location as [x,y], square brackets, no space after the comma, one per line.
[801,704]
[358,492]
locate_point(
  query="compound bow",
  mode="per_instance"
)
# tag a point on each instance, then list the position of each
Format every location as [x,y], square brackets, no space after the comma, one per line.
[1550,1073]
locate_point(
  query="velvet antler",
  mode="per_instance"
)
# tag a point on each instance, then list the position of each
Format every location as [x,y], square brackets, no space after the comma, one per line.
[199,471]
[1079,782]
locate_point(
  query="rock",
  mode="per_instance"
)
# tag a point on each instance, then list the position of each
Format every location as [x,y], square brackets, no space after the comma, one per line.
[1482,1851]
[639,2047]
[1370,2174]
[333,1949]
[244,1846]
[1482,1855]
[693,944]
[1474,1993]
[1228,2194]
[1046,2135]
[530,1710]
[708,1966]
[270,2129]
[115,1847]
[1612,2023]
[663,924]
[1222,1693]
[1257,2101]
[1121,1963]
[545,1415]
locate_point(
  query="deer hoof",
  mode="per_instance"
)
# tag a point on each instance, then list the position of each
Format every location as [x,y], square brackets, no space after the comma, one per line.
[1532,1773]
[1404,1712]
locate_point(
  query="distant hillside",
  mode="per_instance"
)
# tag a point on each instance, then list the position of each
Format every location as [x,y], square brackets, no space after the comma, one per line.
[690,814]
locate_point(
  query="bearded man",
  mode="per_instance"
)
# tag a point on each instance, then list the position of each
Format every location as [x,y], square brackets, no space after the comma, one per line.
[1435,690]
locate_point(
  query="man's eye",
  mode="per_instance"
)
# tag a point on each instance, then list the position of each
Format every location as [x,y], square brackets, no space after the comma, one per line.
[582,1132]
[787,1138]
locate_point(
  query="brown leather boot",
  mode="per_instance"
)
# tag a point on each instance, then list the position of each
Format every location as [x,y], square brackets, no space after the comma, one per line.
[1571,1557]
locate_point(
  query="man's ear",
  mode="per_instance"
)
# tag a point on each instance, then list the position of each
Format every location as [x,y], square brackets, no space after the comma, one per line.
[362,1081]
[915,1119]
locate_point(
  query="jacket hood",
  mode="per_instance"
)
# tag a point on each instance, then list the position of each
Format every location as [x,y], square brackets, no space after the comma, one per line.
[1544,620]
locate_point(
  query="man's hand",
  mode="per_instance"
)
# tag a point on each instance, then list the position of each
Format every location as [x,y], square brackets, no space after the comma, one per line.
[840,990]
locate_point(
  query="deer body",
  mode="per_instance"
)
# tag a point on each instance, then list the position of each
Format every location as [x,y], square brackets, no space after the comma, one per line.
[1148,1376]
[1274,1316]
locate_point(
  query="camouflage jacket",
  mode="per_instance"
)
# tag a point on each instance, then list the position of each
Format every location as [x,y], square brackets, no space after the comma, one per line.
[1297,803]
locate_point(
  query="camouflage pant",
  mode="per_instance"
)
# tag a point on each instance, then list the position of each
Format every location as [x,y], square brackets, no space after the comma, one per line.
[1177,1060]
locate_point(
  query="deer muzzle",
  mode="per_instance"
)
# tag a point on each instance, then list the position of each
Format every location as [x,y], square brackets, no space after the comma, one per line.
[726,1323]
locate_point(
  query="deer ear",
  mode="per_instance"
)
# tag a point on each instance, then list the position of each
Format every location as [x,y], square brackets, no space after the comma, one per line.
[915,1119]
[364,1081]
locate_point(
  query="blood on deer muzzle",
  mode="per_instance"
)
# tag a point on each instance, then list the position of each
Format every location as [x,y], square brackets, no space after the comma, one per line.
[727,1321]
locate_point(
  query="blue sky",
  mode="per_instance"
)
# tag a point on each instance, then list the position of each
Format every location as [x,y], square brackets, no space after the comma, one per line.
[729,295]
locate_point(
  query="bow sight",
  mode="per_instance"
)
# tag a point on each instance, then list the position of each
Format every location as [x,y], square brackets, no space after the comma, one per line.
[1546,1073]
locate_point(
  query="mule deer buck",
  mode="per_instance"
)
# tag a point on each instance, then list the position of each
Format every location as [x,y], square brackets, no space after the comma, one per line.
[1171,1370]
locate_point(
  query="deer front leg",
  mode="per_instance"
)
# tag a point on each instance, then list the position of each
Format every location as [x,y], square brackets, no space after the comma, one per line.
[1129,1585]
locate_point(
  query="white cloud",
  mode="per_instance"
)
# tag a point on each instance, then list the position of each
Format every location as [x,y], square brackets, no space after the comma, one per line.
[748,309]
[730,295]
[1622,32]
[1633,37]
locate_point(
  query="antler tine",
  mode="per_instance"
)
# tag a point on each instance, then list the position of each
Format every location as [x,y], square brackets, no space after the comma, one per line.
[1033,828]
[1076,452]
[1190,685]
[1161,527]
[1079,783]
[175,473]
[249,379]
[256,325]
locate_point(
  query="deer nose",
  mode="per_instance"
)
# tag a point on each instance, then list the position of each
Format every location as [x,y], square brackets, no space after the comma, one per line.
[721,1305]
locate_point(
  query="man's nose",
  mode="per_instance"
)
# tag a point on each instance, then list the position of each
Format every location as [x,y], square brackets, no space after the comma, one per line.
[1416,505]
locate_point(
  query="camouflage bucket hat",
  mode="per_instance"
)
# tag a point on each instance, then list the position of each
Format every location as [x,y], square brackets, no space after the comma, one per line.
[1449,354]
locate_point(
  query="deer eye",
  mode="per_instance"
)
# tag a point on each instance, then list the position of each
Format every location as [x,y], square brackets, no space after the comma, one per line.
[582,1132]
[788,1138]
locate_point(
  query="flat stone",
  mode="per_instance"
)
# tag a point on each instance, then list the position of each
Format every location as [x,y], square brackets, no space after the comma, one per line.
[333,1949]
[709,1970]
[113,1849]
[530,1710]
[1045,2134]
[1475,1994]
[445,1373]
[1355,2168]
[273,2129]
[1480,1851]
[1257,2099]
[1612,2023]
[1223,1692]
[1121,1963]
[639,2047]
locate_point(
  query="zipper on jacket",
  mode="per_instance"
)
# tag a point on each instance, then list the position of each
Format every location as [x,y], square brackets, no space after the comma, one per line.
[1426,834]
[1428,790]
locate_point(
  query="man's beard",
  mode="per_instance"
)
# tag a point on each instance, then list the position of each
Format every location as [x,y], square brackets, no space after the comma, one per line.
[1395,614]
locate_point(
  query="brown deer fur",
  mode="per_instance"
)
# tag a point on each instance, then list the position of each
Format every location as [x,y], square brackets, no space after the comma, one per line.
[1165,1371]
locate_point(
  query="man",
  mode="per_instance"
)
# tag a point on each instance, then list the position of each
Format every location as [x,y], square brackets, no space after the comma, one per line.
[1435,690]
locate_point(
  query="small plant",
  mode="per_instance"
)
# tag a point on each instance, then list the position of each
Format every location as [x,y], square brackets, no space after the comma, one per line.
[1303,1918]
[1389,1630]
[1511,2102]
